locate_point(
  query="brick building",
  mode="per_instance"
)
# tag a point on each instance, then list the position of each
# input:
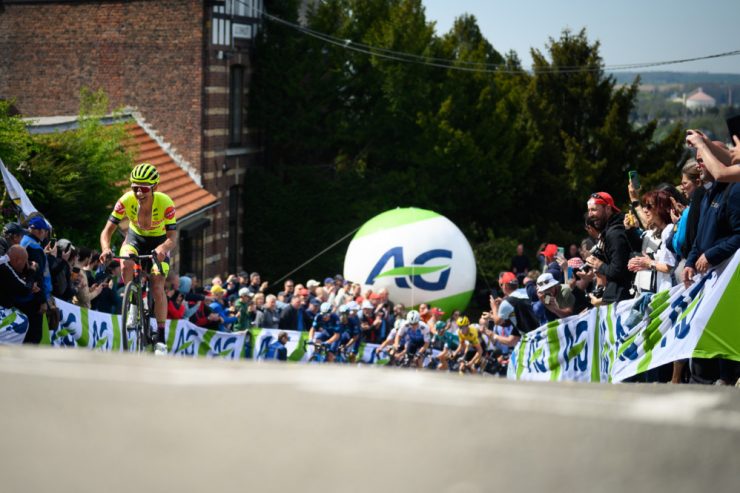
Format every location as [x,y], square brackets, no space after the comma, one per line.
[181,66]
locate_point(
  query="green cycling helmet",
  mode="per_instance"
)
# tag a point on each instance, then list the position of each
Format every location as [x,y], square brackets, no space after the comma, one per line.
[145,173]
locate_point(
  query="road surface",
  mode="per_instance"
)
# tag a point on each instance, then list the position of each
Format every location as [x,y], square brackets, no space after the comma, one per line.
[81,421]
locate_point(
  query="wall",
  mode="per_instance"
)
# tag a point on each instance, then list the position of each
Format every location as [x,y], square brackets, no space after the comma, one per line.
[145,54]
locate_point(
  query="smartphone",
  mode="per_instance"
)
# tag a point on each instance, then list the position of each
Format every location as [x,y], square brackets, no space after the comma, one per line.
[52,242]
[561,252]
[634,179]
[733,125]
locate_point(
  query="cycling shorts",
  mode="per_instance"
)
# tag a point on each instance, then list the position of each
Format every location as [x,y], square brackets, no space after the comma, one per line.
[413,347]
[345,338]
[144,245]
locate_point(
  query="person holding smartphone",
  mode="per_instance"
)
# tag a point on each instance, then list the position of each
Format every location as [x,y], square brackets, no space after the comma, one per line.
[718,160]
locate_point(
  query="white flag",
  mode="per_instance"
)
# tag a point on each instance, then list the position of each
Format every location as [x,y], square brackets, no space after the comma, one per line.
[16,192]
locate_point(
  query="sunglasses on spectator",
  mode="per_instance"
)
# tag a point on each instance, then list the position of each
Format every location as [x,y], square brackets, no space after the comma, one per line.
[141,188]
[648,206]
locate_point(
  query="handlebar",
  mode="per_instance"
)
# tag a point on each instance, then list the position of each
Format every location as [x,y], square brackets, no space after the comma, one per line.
[137,258]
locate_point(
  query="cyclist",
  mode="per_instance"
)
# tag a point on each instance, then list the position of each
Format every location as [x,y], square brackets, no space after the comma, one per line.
[349,331]
[449,343]
[152,228]
[325,329]
[469,339]
[415,336]
[389,341]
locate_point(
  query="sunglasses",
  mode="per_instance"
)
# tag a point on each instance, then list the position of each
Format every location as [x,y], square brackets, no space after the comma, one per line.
[597,196]
[648,206]
[141,188]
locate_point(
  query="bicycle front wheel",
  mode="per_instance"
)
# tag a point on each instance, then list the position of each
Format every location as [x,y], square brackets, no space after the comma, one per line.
[131,320]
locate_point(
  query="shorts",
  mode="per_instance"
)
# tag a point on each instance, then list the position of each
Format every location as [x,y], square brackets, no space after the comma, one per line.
[345,338]
[145,245]
[469,354]
[413,347]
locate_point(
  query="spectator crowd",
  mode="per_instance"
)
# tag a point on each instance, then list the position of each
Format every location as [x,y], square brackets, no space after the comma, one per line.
[665,236]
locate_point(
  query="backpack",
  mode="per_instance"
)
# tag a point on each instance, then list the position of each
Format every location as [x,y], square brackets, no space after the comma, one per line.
[526,320]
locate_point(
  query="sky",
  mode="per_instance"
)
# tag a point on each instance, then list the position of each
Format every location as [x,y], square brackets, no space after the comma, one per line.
[630,31]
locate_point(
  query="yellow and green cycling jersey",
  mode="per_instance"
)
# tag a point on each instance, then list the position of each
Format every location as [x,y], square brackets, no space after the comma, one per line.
[163,214]
[471,337]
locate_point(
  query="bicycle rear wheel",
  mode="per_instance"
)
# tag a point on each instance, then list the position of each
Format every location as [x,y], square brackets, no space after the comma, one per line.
[131,323]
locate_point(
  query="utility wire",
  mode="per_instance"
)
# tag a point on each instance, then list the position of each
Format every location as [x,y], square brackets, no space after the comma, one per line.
[471,66]
[318,255]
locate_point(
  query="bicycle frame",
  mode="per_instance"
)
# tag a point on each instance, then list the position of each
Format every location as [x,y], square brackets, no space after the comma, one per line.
[136,315]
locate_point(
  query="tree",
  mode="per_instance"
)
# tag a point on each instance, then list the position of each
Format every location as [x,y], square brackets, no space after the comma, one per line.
[581,134]
[74,177]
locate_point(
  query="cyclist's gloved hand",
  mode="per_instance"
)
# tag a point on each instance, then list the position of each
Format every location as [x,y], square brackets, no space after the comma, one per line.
[106,255]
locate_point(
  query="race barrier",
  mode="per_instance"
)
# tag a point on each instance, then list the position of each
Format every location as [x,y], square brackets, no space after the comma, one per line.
[618,341]
[84,328]
[605,344]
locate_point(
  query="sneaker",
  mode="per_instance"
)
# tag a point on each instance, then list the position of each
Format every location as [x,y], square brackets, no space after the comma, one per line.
[160,349]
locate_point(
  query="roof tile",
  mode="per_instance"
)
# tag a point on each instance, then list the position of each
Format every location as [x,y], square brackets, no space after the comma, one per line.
[189,197]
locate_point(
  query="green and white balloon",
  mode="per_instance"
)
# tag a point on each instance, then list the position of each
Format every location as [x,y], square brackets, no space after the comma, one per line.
[418,255]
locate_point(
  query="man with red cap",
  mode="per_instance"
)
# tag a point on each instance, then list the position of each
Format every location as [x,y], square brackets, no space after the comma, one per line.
[610,257]
[513,310]
[550,254]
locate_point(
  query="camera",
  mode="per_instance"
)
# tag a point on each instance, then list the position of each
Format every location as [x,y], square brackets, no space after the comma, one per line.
[598,292]
[597,252]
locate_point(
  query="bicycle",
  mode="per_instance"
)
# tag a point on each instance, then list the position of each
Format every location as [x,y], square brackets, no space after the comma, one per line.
[136,315]
[319,351]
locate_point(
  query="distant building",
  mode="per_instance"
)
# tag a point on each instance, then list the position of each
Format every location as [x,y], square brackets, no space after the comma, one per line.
[699,100]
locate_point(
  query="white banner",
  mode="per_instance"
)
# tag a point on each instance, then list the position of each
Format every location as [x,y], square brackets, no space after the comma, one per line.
[16,192]
[618,341]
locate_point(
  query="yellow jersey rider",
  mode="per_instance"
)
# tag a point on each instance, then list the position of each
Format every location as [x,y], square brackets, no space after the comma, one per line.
[152,227]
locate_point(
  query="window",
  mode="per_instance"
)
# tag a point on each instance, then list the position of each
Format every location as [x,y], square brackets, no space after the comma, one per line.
[236,96]
[191,251]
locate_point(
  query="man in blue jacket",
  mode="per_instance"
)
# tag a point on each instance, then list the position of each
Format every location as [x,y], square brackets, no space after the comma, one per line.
[718,235]
[717,239]
[36,304]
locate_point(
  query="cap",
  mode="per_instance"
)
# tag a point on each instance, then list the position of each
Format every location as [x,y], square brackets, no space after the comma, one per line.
[353,306]
[375,296]
[339,278]
[508,278]
[303,292]
[38,222]
[245,292]
[440,325]
[545,282]
[312,283]
[367,304]
[550,250]
[217,290]
[13,229]
[64,244]
[185,284]
[603,198]
[328,280]
[315,302]
[437,311]
[244,274]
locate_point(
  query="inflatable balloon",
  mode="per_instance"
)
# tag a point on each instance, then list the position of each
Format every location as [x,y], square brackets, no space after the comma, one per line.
[418,255]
